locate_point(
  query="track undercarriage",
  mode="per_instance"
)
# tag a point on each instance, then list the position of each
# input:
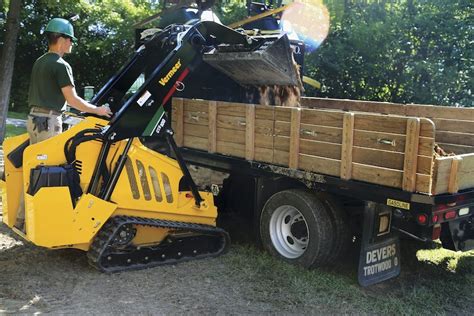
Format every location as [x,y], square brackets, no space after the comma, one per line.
[113,249]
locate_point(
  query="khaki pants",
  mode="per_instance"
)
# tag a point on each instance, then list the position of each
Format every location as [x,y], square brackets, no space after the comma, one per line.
[55,124]
[37,134]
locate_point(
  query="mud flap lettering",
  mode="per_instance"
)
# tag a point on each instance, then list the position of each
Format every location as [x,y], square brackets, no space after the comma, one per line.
[379,256]
[379,261]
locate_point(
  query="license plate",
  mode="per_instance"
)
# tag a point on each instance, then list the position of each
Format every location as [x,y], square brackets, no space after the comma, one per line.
[379,261]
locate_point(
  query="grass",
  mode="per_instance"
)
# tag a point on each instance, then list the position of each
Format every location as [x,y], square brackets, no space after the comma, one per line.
[434,281]
[14,130]
[17,115]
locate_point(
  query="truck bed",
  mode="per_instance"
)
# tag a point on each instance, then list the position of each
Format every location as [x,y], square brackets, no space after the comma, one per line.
[380,143]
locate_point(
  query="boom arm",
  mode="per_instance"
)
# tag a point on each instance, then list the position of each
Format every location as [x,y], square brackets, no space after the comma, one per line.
[143,114]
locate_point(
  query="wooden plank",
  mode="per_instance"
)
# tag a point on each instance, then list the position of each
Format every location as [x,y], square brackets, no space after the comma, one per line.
[264,154]
[282,129]
[466,172]
[264,141]
[265,112]
[423,183]
[322,117]
[232,108]
[390,142]
[320,165]
[372,157]
[212,139]
[441,172]
[442,176]
[457,149]
[295,138]
[321,133]
[264,127]
[354,105]
[281,157]
[282,114]
[391,160]
[231,136]
[455,138]
[250,133]
[195,105]
[458,126]
[196,117]
[196,130]
[426,146]
[446,112]
[377,123]
[282,144]
[417,110]
[231,122]
[453,185]
[390,124]
[411,154]
[321,149]
[427,128]
[178,105]
[231,149]
[377,175]
[195,142]
[347,145]
[381,141]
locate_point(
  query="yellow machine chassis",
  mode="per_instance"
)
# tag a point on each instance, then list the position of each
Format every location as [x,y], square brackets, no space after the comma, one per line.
[148,187]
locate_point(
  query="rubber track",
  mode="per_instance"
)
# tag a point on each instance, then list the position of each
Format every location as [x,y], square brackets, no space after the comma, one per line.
[101,246]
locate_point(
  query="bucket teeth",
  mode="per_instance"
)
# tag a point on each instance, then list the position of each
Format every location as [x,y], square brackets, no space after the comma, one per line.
[271,63]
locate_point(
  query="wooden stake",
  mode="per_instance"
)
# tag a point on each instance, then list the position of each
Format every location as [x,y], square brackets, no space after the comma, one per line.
[347,144]
[250,132]
[295,138]
[411,154]
[453,184]
[212,139]
[178,103]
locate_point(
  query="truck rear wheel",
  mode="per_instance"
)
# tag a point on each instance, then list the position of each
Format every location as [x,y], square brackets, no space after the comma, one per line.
[340,221]
[296,227]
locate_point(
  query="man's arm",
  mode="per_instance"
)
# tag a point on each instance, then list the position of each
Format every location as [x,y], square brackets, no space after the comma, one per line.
[80,104]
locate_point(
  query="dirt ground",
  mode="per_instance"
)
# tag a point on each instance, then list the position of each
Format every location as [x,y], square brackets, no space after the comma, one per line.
[38,280]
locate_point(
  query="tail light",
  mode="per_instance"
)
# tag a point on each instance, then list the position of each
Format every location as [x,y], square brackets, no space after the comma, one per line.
[421,219]
[450,215]
[435,218]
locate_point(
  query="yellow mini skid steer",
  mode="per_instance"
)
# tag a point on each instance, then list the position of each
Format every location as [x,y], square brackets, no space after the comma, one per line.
[97,188]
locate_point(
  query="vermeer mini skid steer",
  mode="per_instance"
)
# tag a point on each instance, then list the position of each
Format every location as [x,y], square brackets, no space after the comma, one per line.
[97,188]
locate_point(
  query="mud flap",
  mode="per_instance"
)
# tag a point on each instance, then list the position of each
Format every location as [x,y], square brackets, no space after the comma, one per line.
[380,249]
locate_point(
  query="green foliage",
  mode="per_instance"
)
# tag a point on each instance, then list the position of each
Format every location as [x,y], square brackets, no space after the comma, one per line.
[230,11]
[404,51]
[105,34]
[399,51]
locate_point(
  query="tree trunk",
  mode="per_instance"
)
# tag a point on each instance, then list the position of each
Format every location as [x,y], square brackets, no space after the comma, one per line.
[7,61]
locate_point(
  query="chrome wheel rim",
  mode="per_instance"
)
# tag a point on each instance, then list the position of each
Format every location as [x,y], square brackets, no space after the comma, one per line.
[289,231]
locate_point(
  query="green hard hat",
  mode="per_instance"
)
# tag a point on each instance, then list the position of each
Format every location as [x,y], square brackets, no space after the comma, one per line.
[61,26]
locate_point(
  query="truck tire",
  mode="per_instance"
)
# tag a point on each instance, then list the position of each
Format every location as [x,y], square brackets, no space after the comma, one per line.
[340,221]
[296,226]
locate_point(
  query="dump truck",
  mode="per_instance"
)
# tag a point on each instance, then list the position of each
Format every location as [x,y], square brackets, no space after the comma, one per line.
[310,179]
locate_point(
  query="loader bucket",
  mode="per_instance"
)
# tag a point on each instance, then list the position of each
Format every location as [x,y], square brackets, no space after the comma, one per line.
[271,63]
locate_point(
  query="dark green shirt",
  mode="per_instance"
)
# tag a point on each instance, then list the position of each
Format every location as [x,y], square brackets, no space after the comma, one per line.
[50,73]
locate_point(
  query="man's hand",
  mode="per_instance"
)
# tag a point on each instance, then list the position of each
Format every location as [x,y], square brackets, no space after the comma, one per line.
[80,104]
[103,111]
